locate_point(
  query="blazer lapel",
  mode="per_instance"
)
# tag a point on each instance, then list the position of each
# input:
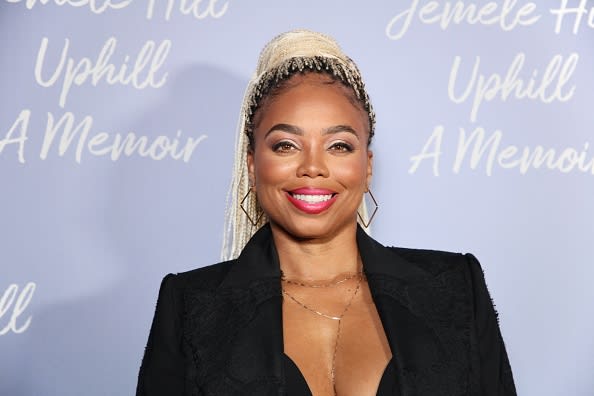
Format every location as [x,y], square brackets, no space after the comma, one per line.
[237,328]
[423,318]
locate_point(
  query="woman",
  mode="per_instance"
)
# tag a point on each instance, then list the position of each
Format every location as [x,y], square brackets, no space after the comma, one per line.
[311,305]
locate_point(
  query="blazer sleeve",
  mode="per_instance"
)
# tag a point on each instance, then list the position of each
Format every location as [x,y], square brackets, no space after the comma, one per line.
[162,369]
[494,371]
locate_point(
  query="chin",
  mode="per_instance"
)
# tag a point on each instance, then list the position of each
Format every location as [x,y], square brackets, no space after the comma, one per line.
[307,229]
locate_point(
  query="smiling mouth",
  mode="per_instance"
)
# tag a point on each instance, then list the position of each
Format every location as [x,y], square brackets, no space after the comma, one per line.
[311,198]
[312,201]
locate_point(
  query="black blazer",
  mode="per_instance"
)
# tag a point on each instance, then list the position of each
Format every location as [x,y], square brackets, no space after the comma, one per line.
[217,330]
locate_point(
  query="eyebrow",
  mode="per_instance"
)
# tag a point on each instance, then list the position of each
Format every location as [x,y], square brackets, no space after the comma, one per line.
[285,128]
[340,128]
[298,131]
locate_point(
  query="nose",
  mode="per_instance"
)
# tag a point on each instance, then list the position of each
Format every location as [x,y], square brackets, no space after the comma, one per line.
[312,164]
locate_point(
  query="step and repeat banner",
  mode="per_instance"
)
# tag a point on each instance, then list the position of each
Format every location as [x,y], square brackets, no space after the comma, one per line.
[117,124]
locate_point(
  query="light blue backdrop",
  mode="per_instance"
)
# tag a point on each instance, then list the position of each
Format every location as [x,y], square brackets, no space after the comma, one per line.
[88,227]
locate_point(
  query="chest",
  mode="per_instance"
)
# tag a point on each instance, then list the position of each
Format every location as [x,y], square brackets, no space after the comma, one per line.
[336,341]
[234,339]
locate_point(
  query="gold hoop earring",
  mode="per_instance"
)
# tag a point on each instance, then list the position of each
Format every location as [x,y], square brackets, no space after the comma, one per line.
[241,205]
[376,207]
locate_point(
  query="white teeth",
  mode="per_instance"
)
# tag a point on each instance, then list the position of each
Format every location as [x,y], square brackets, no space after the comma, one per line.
[312,198]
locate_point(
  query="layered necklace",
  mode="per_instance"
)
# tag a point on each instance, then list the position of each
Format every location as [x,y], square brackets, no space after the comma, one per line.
[338,319]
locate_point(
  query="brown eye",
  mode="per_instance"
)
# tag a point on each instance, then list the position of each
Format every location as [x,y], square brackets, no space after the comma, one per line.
[342,147]
[283,147]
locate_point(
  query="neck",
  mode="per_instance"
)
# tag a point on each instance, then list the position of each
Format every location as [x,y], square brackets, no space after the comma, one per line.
[323,259]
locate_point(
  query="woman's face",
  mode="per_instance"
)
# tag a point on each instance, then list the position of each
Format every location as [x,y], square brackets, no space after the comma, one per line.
[310,164]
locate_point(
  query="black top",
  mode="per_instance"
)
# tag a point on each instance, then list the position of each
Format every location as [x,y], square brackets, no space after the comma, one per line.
[218,330]
[297,386]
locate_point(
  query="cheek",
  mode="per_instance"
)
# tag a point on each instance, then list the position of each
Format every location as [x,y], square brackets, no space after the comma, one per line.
[271,168]
[354,172]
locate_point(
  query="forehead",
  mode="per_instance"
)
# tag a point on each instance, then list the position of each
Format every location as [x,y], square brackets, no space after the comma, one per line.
[313,97]
[319,80]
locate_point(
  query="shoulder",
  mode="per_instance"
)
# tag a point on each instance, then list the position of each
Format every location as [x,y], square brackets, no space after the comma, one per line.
[412,265]
[208,277]
[464,268]
[436,261]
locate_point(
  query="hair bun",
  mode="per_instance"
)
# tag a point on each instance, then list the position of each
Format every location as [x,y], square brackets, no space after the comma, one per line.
[298,44]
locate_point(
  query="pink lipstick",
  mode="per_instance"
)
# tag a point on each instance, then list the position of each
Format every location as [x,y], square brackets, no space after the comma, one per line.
[312,200]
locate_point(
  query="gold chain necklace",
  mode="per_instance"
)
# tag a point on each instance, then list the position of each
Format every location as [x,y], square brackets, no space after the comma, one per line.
[320,285]
[336,318]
